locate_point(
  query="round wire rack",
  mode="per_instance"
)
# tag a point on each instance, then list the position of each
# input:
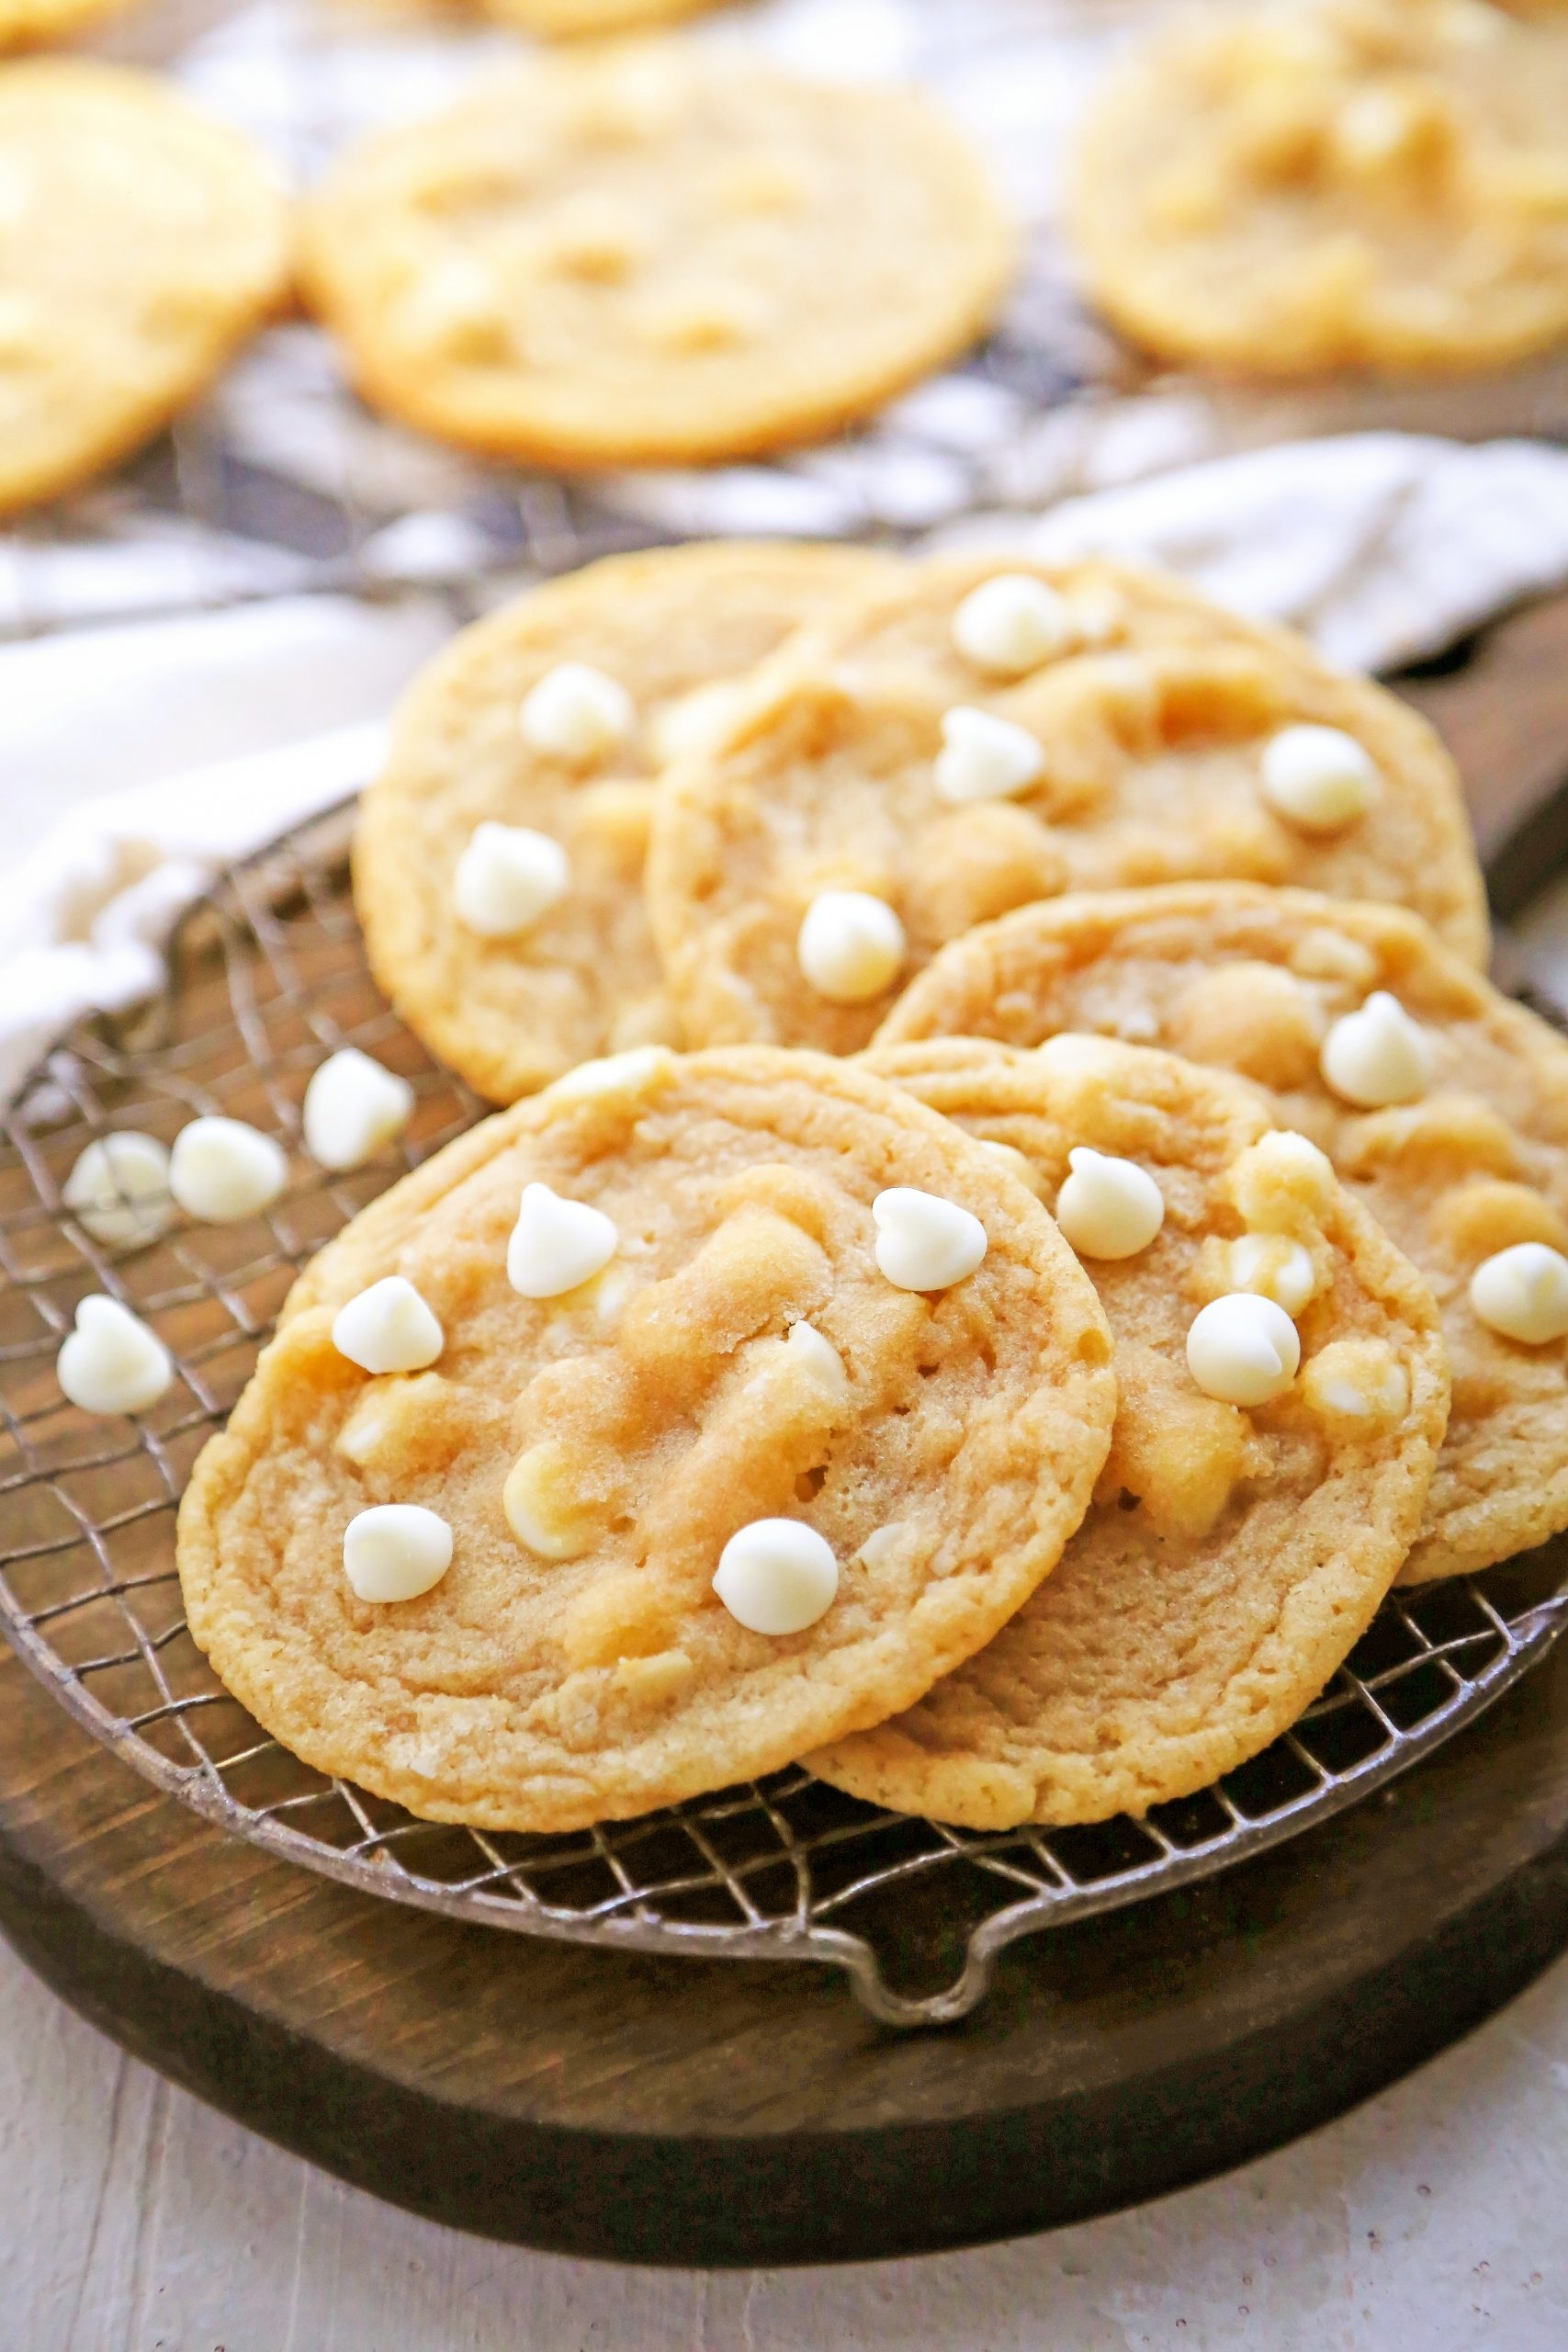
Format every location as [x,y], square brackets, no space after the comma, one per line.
[266,975]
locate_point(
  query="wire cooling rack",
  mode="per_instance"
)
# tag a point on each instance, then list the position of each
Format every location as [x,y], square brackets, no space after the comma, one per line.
[266,975]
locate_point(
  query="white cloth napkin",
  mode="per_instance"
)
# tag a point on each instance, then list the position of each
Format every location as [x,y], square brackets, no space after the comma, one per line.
[184,743]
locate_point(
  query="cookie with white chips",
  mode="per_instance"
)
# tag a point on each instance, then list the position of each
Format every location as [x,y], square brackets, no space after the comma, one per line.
[498,860]
[693,1413]
[966,735]
[1442,1104]
[1282,1394]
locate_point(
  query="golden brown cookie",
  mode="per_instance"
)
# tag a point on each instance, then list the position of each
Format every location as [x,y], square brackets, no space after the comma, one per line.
[1378,183]
[741,1357]
[1106,728]
[139,244]
[1233,1556]
[33,24]
[654,253]
[512,1010]
[1472,1160]
[585,19]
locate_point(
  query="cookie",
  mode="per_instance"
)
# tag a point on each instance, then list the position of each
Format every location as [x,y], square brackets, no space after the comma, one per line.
[31,24]
[971,735]
[511,1009]
[568,1469]
[1466,1156]
[1358,182]
[654,253]
[1233,1554]
[583,19]
[140,242]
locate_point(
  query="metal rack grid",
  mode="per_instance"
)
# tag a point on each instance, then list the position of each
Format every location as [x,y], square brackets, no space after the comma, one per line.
[266,975]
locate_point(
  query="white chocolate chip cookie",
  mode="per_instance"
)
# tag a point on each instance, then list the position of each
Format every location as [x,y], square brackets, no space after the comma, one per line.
[1235,1553]
[582,1606]
[1444,1109]
[1355,183]
[899,750]
[139,244]
[498,862]
[654,253]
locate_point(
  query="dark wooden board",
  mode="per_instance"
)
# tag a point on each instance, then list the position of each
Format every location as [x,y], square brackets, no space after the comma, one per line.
[707,2112]
[704,2113]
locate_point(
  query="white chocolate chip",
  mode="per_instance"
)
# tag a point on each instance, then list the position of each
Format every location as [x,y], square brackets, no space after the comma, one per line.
[1243,1349]
[111,1363]
[778,1576]
[395,1551]
[1318,778]
[354,1107]
[542,1506]
[1358,1384]
[1523,1292]
[556,1244]
[818,1358]
[120,1189]
[636,1071]
[576,713]
[1273,1267]
[1108,1207]
[850,946]
[1011,623]
[507,876]
[221,1170]
[387,1328]
[984,757]
[923,1242]
[1378,1056]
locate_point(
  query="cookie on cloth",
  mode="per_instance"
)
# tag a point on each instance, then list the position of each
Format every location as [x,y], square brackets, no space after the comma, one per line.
[654,253]
[587,19]
[1442,1104]
[1357,183]
[1235,1550]
[141,242]
[689,1415]
[33,24]
[517,957]
[970,735]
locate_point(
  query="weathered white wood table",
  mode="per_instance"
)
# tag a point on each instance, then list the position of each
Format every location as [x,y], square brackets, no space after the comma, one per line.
[134,2219]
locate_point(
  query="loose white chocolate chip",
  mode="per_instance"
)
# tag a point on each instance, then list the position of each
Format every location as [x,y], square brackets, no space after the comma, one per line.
[850,945]
[1318,778]
[354,1107]
[1523,1292]
[778,1576]
[1377,1057]
[925,1243]
[984,757]
[395,1551]
[1011,623]
[556,1244]
[1243,1350]
[635,1072]
[120,1189]
[507,878]
[221,1170]
[111,1363]
[576,713]
[1108,1208]
[1273,1267]
[387,1328]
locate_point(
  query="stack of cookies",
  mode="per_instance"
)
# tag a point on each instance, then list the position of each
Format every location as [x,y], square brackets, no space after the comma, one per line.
[1010,1151]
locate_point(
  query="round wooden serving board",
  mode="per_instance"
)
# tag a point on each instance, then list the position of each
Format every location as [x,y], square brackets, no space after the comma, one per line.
[702,2112]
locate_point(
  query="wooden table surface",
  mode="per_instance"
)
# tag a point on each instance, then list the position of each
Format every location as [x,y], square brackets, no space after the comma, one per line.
[134,2219]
